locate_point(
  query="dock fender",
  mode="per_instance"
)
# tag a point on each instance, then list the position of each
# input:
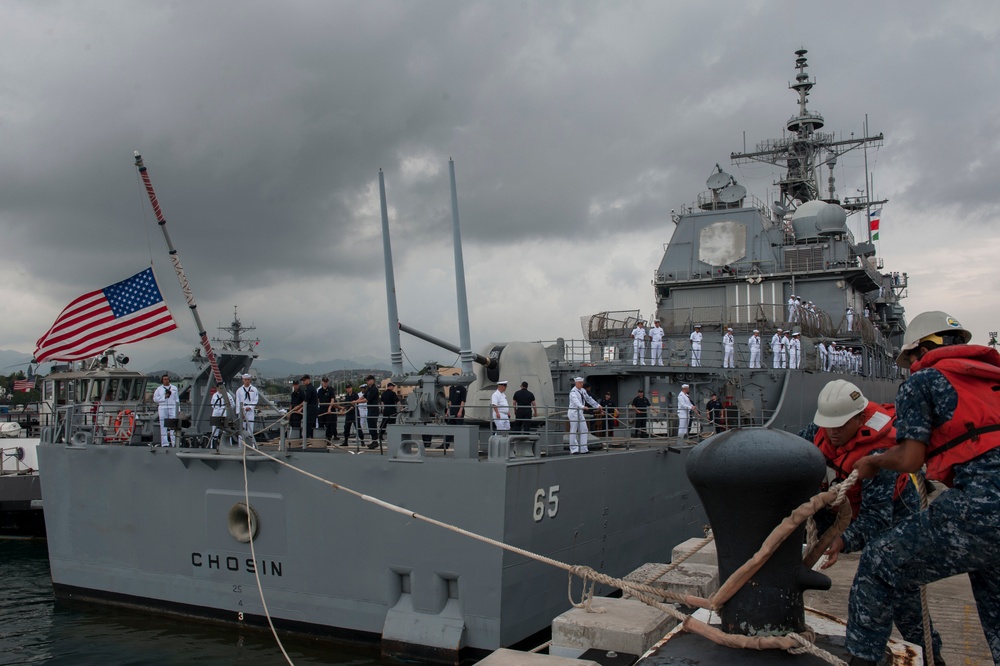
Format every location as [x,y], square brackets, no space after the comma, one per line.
[406,627]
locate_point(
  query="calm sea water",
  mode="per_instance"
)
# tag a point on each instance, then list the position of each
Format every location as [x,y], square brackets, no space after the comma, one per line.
[35,629]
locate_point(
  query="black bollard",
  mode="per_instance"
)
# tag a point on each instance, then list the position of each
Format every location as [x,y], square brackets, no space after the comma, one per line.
[749,481]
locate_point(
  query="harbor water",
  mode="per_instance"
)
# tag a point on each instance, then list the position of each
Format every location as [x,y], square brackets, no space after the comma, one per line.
[36,629]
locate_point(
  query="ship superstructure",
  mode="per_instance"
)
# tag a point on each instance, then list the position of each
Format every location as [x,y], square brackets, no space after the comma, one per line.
[736,262]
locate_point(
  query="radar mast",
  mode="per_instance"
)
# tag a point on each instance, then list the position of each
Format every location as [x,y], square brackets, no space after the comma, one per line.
[232,339]
[804,151]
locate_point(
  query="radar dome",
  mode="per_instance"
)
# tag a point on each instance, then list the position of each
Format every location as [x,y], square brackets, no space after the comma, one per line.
[818,218]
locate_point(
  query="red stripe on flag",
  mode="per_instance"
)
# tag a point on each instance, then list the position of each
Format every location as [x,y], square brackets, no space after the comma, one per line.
[89,325]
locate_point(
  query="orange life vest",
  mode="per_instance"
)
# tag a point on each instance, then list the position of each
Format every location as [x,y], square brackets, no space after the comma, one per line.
[974,428]
[877,432]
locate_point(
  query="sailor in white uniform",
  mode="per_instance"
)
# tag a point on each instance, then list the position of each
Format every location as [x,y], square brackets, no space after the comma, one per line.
[246,406]
[850,318]
[821,348]
[696,337]
[361,405]
[579,399]
[786,347]
[639,344]
[754,344]
[684,409]
[500,407]
[776,349]
[794,351]
[218,403]
[729,349]
[165,396]
[656,343]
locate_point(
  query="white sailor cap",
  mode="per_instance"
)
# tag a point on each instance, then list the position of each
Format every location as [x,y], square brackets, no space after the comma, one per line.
[729,328]
[578,379]
[795,333]
[756,330]
[697,325]
[684,386]
[779,330]
[247,376]
[502,382]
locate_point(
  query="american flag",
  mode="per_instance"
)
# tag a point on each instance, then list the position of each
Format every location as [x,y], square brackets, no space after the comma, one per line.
[127,311]
[24,385]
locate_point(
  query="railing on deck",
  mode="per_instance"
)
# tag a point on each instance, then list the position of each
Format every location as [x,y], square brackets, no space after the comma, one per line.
[631,430]
[618,353]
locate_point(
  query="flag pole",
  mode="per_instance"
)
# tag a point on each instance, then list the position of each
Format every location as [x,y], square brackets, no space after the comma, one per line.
[175,259]
[868,190]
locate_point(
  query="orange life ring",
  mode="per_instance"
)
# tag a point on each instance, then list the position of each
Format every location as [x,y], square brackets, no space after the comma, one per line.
[124,424]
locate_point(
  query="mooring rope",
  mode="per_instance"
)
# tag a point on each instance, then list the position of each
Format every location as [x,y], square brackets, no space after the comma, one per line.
[253,556]
[918,481]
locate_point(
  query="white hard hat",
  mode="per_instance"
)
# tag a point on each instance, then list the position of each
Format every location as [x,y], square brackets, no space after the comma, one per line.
[930,327]
[837,403]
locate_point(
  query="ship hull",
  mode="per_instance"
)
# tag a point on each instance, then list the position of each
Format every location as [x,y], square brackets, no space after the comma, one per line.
[334,565]
[21,491]
[20,506]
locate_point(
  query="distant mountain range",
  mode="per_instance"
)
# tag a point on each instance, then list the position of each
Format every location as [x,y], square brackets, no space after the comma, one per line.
[12,361]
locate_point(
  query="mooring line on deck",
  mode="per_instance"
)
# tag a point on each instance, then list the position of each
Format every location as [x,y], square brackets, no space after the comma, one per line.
[253,556]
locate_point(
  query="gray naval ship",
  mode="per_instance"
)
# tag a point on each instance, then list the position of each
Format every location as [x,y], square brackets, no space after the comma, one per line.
[209,533]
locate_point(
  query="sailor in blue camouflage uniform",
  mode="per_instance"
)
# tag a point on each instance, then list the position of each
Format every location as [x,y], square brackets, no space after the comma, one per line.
[846,427]
[947,416]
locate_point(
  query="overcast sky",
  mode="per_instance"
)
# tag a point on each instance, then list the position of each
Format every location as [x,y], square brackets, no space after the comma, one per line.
[575,128]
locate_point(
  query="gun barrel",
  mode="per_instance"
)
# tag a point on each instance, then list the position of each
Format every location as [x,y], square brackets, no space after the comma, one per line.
[426,337]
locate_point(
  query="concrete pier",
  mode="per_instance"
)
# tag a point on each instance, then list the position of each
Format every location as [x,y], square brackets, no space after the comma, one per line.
[625,626]
[953,610]
[505,657]
[701,580]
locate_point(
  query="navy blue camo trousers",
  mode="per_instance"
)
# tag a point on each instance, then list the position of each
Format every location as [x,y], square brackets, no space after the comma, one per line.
[958,533]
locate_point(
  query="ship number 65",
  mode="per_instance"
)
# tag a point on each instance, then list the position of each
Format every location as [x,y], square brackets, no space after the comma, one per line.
[540,501]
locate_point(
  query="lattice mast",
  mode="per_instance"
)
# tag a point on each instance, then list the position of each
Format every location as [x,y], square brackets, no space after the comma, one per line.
[805,150]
